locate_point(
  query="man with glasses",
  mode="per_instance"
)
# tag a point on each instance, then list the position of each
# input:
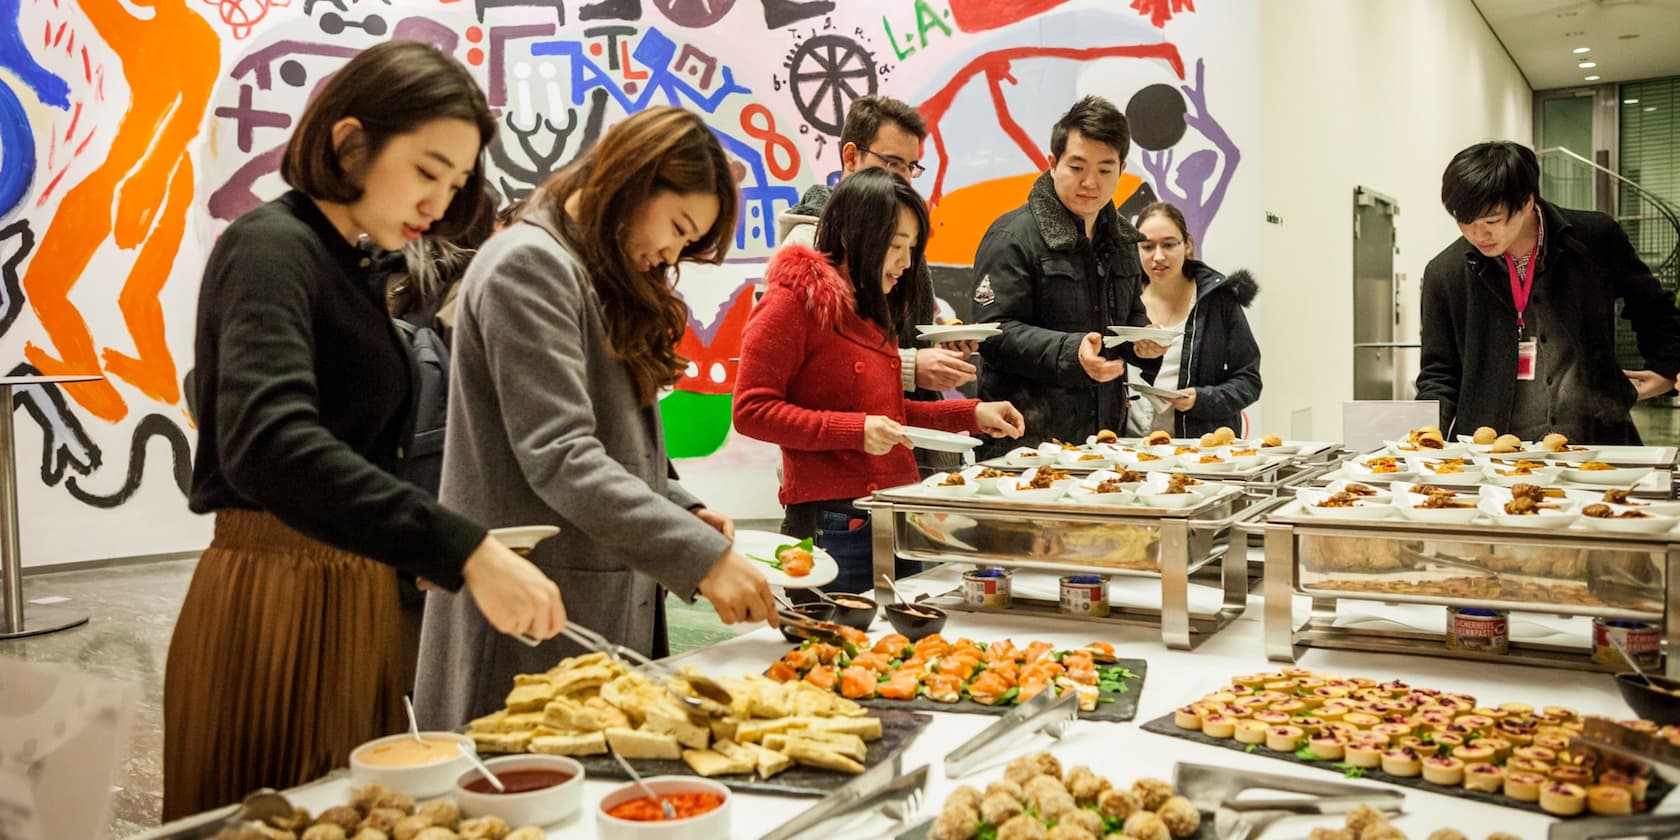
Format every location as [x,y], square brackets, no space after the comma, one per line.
[1519,314]
[884,133]
[1055,274]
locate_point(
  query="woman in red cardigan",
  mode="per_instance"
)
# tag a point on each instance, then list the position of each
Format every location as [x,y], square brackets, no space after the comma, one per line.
[819,372]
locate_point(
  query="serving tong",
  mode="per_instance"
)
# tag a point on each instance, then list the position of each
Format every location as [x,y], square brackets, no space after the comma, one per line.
[1045,712]
[881,789]
[710,699]
[1218,789]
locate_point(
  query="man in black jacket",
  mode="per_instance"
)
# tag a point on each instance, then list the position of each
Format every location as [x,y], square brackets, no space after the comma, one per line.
[1519,314]
[1054,274]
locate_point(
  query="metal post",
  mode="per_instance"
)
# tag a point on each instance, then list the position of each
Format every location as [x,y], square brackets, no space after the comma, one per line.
[13,624]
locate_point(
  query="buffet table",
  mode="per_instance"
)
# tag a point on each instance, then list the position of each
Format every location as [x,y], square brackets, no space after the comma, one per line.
[1122,751]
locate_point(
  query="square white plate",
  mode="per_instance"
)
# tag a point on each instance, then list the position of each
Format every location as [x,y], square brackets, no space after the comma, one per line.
[940,441]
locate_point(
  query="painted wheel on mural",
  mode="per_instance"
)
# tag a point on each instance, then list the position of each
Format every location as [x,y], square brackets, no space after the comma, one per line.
[828,72]
[695,14]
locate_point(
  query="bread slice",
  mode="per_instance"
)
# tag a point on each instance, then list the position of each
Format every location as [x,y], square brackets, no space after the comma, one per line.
[640,743]
[753,731]
[578,679]
[504,742]
[493,722]
[771,762]
[867,728]
[813,755]
[530,697]
[713,763]
[571,743]
[838,742]
[667,718]
[724,728]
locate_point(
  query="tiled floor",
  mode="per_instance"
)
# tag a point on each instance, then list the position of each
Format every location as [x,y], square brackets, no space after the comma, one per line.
[133,612]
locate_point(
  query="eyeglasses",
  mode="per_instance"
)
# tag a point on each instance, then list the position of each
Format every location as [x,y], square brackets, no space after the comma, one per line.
[914,169]
[1164,244]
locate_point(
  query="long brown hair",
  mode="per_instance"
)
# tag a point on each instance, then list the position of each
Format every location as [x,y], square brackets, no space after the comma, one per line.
[1174,215]
[661,148]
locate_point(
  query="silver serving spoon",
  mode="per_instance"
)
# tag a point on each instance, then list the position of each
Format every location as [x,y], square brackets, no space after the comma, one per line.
[472,755]
[894,587]
[665,807]
[1617,644]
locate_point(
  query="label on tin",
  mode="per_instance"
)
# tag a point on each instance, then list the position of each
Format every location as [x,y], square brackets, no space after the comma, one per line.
[1485,631]
[1084,595]
[1642,640]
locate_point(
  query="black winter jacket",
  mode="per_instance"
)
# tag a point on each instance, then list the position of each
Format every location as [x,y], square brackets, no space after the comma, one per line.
[1222,359]
[1046,284]
[1469,326]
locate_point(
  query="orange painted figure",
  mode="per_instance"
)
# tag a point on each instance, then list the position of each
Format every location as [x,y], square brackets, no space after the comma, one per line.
[138,198]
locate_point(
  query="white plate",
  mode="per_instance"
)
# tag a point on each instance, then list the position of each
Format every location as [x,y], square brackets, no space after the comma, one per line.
[939,441]
[956,332]
[988,486]
[1542,477]
[1151,390]
[1022,457]
[763,544]
[1357,470]
[1529,451]
[1545,519]
[1569,500]
[1469,477]
[1362,509]
[1159,335]
[1407,502]
[1621,477]
[1085,460]
[1012,490]
[1402,449]
[933,486]
[1382,496]
[1130,461]
[1193,463]
[523,537]
[1574,457]
[1084,492]
[1649,525]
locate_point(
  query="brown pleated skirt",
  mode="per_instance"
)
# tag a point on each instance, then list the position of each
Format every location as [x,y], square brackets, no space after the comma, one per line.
[285,657]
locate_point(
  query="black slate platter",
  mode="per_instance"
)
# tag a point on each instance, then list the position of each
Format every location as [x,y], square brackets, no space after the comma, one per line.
[1164,726]
[1111,706]
[898,729]
[1206,832]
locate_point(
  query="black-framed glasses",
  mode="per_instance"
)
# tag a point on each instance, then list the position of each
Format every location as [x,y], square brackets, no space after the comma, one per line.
[912,168]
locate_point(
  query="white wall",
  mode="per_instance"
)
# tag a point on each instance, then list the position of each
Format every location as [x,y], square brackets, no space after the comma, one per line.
[1380,94]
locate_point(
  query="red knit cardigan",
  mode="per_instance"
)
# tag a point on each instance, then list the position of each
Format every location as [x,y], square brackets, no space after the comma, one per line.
[811,369]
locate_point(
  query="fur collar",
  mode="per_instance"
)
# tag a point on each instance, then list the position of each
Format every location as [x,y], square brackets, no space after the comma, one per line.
[1060,228]
[807,273]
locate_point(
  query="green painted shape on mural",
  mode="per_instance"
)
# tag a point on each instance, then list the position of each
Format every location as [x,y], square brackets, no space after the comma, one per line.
[696,425]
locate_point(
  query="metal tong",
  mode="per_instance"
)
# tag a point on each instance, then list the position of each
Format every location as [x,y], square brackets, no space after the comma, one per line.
[1045,712]
[1217,789]
[714,700]
[880,787]
[1652,826]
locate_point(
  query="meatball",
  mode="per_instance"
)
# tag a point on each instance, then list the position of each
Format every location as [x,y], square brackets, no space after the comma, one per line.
[1021,770]
[325,831]
[300,819]
[483,828]
[1119,804]
[1152,792]
[1085,785]
[437,833]
[408,827]
[1057,806]
[958,821]
[370,834]
[1007,788]
[343,816]
[1039,788]
[392,799]
[1046,763]
[384,820]
[1069,831]
[526,832]
[964,795]
[441,812]
[1382,832]
[1022,827]
[1447,834]
[999,808]
[1144,825]
[1331,834]
[1364,816]
[1085,818]
[1181,818]
[362,798]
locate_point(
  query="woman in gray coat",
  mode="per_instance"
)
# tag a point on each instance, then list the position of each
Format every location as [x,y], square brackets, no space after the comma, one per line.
[567,331]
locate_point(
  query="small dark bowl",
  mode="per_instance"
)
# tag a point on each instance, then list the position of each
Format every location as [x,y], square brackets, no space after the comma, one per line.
[915,627]
[1659,707]
[818,611]
[860,617]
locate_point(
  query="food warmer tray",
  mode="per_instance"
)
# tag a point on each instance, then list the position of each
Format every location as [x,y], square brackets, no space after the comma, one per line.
[1567,572]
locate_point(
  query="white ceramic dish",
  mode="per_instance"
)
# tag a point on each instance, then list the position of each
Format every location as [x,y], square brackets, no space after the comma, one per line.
[940,441]
[1402,449]
[988,486]
[1650,524]
[1084,492]
[1620,477]
[712,825]
[1013,490]
[1357,470]
[1496,473]
[418,781]
[1364,508]
[1022,457]
[537,807]
[941,333]
[1469,474]
[1130,460]
[1545,519]
[523,537]
[1406,502]
[1573,456]
[1085,459]
[763,544]
[934,485]
[1159,335]
[1382,496]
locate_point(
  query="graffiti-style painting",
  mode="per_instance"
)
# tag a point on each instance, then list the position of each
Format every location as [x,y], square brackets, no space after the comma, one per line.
[132,133]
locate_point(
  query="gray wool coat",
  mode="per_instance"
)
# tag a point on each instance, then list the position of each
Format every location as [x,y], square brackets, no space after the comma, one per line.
[545,428]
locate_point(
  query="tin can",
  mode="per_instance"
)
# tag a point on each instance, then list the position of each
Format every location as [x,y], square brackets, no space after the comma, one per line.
[987,587]
[1085,595]
[1641,639]
[1478,630]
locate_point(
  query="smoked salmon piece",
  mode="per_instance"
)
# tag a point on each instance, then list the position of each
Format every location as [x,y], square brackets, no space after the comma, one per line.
[857,683]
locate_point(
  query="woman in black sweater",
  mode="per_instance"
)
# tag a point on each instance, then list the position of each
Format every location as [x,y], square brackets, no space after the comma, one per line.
[285,654]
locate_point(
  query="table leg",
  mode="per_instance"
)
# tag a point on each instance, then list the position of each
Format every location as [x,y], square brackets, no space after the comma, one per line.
[13,622]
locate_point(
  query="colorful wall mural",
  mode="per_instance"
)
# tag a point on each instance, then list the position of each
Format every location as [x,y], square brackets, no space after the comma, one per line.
[132,132]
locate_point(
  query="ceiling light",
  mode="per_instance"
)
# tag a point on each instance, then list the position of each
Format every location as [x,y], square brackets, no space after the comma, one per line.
[1650,108]
[1630,102]
[1587,65]
[1580,50]
[1593,78]
[1628,37]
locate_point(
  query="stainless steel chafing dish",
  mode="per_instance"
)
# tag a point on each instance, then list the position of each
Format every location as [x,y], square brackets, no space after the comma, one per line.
[1567,572]
[1128,540]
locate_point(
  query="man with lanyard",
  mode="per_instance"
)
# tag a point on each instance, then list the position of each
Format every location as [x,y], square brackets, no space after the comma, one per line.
[884,133]
[1055,274]
[1519,315]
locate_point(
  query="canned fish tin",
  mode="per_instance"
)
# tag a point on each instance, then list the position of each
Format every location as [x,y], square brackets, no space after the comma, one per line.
[988,587]
[1084,595]
[1478,630]
[1641,639]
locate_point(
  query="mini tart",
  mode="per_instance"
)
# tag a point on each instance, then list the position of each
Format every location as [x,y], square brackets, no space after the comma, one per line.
[1340,730]
[1220,697]
[1443,770]
[1537,753]
[1483,777]
[1530,765]
[1571,775]
[1516,709]
[1362,719]
[1609,801]
[1296,672]
[1494,715]
[1333,710]
[1187,718]
[1392,731]
[1284,738]
[1327,747]
[1239,711]
[1251,732]
[1250,680]
[1254,702]
[1271,717]
[1634,785]
[1471,754]
[1552,742]
[1362,682]
[1289,707]
[1283,686]
[1525,787]
[1274,696]
[1309,724]
[1563,799]
[1560,713]
[1517,737]
[1399,707]
[1239,691]
[1330,692]
[1480,723]
[1401,762]
[1363,755]
[1395,688]
[1501,747]
[1424,749]
[1219,726]
[1308,684]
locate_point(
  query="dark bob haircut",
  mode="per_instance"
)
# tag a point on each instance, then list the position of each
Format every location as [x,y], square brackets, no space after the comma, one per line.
[1097,119]
[856,231]
[1489,178]
[391,89]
